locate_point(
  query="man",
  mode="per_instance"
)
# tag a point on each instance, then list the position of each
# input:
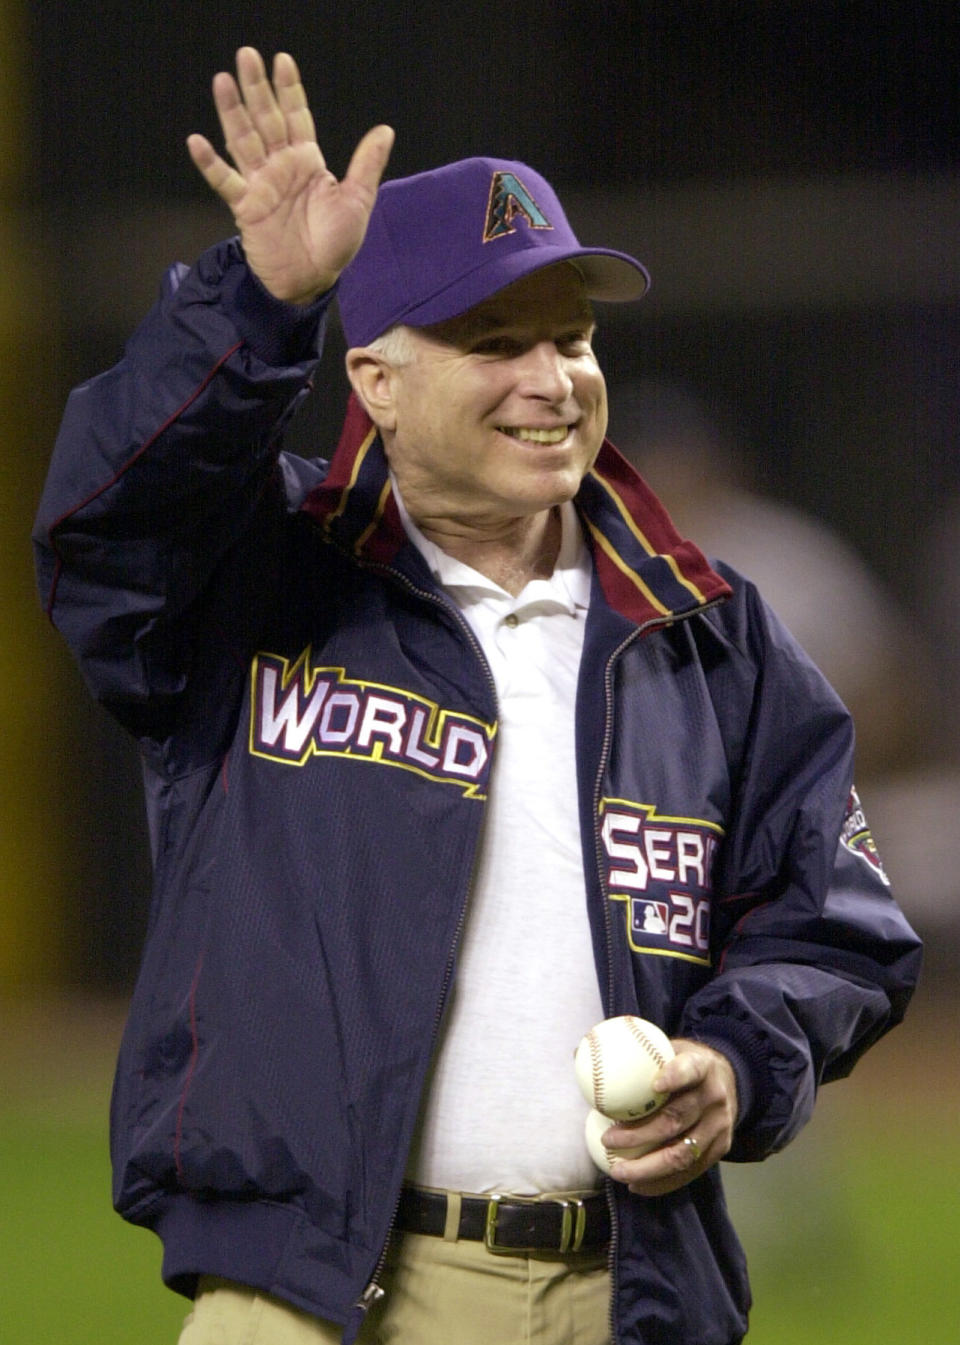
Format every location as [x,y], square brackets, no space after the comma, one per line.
[429,735]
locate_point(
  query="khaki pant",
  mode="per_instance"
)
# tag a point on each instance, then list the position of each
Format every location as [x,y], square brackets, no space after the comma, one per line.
[439,1292]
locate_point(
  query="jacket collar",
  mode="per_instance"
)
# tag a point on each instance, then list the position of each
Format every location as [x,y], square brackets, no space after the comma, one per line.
[646,570]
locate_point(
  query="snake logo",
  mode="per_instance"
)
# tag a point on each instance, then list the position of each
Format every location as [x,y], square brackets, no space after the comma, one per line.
[508,199]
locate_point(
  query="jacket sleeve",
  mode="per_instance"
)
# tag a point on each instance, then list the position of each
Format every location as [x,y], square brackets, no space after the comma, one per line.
[815,960]
[160,467]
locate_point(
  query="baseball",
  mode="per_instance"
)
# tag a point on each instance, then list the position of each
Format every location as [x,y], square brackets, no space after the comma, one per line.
[595,1126]
[616,1063]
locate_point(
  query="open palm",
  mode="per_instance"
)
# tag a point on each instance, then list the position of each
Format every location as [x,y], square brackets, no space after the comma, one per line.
[299,225]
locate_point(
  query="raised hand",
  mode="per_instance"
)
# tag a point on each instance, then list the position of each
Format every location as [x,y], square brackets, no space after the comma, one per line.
[299,226]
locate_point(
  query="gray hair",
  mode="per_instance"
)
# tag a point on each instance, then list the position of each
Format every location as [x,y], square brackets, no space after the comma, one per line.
[394,345]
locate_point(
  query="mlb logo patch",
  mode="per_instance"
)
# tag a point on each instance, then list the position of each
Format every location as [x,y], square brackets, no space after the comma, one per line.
[651,917]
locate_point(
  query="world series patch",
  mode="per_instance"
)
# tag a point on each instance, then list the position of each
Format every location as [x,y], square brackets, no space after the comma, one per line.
[660,868]
[299,711]
[857,838]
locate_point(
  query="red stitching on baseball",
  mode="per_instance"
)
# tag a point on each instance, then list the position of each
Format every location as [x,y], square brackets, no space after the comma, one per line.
[638,1034]
[597,1069]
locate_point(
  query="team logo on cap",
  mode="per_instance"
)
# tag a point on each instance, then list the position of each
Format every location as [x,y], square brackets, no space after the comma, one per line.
[508,199]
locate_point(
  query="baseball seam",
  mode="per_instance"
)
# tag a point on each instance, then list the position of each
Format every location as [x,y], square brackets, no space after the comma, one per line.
[639,1036]
[596,1067]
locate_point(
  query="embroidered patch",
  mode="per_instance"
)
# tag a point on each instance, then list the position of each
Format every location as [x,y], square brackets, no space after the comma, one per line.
[660,869]
[856,836]
[298,711]
[509,198]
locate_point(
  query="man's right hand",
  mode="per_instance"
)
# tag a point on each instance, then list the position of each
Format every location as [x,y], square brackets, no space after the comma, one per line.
[299,226]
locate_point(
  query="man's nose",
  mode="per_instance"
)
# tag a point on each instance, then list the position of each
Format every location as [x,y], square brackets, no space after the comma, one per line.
[544,374]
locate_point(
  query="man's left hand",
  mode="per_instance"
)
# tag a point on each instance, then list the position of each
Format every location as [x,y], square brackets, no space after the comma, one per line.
[693,1129]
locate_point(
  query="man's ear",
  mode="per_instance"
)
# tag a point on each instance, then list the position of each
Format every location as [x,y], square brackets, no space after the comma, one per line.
[371,379]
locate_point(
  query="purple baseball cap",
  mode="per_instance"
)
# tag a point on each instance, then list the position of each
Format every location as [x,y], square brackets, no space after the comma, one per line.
[440,242]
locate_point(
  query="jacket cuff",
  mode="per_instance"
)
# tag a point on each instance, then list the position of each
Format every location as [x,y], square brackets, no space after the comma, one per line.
[747,1052]
[279,333]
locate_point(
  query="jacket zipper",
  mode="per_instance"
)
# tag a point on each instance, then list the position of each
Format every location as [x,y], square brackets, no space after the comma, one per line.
[653,624]
[601,874]
[374,1291]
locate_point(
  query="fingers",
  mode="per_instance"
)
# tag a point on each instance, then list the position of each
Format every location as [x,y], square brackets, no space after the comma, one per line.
[260,102]
[667,1168]
[673,1163]
[258,117]
[292,99]
[370,157]
[299,225]
[686,1069]
[250,117]
[218,174]
[692,1131]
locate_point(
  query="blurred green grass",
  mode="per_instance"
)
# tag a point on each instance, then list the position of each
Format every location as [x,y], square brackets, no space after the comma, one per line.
[851,1234]
[73,1272]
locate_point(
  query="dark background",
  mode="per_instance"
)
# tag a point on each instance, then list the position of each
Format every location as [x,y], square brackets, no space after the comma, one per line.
[790,173]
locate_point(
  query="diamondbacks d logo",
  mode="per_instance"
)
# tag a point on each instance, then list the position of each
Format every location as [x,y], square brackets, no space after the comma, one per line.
[508,199]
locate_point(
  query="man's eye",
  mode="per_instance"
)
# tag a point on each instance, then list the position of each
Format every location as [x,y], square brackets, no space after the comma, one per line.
[496,345]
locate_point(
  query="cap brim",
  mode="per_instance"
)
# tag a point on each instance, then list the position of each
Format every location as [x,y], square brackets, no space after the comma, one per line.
[612,277]
[609,277]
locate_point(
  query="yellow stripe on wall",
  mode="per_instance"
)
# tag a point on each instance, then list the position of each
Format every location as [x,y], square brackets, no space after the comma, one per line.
[31,848]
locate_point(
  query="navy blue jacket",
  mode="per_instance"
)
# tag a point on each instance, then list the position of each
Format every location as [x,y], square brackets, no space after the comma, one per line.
[317,726]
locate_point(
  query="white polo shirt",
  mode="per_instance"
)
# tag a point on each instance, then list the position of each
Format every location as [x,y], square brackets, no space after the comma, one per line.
[503,1111]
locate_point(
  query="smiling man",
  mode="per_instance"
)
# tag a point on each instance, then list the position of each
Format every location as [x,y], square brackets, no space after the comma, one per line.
[491,419]
[452,747]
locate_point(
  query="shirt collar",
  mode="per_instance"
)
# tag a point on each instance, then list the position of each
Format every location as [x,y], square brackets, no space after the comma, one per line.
[568,586]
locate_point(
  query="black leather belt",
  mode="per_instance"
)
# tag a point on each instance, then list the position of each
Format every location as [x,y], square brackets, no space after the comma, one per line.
[510,1224]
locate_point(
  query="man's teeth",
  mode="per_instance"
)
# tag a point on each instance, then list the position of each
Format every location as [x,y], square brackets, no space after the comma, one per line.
[537,436]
